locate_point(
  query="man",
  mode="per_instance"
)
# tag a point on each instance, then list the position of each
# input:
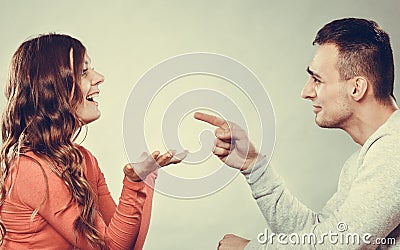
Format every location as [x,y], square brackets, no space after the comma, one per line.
[351,88]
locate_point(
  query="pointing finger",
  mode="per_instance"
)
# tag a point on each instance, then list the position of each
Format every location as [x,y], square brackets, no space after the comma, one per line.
[211,119]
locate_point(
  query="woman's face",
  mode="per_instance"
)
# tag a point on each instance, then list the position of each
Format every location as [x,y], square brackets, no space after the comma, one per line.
[88,110]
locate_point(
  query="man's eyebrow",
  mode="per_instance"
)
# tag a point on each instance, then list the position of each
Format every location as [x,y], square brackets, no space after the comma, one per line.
[312,73]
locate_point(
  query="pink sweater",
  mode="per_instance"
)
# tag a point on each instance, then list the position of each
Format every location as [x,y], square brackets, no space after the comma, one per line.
[124,226]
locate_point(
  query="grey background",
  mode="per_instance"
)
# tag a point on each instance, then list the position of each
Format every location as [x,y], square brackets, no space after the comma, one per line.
[272,38]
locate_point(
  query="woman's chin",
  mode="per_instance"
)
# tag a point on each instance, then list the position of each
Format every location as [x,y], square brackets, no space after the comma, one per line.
[88,119]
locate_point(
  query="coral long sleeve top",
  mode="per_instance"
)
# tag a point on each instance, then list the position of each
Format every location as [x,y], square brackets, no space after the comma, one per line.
[124,226]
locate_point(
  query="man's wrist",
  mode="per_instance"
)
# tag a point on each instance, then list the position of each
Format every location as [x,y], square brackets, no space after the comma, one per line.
[249,163]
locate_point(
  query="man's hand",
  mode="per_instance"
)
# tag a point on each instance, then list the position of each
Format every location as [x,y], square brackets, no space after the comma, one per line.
[232,242]
[232,146]
[149,163]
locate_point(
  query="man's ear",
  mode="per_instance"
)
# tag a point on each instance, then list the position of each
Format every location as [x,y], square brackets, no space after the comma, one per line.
[359,87]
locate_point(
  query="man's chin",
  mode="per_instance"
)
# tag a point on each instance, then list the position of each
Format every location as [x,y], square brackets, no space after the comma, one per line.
[320,122]
[325,124]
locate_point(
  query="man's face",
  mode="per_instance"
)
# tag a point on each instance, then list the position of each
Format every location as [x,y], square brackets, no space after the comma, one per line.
[331,102]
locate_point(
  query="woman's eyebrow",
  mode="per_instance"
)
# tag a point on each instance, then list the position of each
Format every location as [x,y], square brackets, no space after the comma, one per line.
[87,62]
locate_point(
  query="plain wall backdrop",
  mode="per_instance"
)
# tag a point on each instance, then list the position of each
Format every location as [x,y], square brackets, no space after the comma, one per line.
[272,38]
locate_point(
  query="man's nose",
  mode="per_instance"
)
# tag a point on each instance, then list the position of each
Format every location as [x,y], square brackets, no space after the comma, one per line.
[308,91]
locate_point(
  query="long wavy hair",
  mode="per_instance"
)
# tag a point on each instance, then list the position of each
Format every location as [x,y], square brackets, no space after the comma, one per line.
[43,94]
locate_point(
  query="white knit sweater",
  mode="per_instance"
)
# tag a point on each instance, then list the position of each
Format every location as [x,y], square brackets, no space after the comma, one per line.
[366,205]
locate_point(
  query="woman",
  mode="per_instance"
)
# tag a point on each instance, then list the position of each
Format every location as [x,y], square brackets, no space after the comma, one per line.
[53,194]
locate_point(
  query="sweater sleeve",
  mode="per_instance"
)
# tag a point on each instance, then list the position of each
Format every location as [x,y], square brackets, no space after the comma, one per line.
[35,182]
[124,227]
[368,212]
[107,205]
[282,211]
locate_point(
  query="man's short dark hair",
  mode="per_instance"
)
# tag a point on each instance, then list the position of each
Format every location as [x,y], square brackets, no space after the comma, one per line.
[364,50]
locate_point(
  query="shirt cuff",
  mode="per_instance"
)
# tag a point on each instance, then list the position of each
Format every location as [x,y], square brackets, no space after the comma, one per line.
[135,186]
[253,245]
[253,173]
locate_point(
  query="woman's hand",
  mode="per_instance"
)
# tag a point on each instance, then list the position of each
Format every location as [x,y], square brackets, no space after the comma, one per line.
[149,163]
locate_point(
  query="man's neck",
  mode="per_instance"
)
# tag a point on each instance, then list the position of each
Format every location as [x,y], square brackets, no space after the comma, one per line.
[367,119]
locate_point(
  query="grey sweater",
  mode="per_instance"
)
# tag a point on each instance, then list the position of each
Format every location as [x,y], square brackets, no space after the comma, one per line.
[364,211]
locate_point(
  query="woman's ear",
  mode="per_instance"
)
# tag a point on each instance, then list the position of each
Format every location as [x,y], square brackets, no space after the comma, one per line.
[359,87]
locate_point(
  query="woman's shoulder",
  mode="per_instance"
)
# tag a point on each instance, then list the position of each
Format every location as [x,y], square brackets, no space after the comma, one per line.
[35,164]
[34,168]
[91,164]
[87,155]
[84,150]
[31,163]
[31,175]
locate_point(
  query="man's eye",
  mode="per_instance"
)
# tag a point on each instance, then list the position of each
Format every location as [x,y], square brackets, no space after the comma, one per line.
[316,80]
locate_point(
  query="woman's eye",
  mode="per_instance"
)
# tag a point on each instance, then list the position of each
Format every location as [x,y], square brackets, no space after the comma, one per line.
[84,72]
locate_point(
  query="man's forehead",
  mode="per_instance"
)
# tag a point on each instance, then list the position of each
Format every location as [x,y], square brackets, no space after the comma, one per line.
[325,59]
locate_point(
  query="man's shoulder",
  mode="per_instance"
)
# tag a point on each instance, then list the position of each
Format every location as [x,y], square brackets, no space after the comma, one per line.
[384,150]
[389,140]
[391,126]
[386,136]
